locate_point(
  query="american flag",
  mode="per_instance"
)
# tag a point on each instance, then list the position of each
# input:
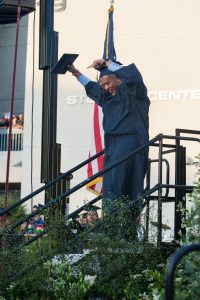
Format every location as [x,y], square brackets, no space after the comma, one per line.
[97,143]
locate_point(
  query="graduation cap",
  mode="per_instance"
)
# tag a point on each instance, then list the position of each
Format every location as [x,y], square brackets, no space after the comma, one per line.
[91,207]
[104,71]
[40,205]
[62,66]
[75,217]
[84,215]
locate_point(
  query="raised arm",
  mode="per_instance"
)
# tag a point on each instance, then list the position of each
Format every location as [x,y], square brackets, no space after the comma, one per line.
[99,63]
[92,88]
[130,74]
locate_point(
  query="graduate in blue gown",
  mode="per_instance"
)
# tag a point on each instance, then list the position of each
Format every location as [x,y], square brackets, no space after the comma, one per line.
[123,97]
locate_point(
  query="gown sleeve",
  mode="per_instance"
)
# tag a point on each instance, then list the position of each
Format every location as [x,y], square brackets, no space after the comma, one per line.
[130,74]
[93,91]
[133,82]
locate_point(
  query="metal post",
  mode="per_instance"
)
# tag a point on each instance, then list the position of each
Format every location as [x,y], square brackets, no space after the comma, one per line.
[178,181]
[48,57]
[148,182]
[147,221]
[46,29]
[183,191]
[54,164]
[159,231]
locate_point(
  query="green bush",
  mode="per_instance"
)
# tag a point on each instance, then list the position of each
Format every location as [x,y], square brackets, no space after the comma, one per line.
[121,265]
[67,284]
[17,213]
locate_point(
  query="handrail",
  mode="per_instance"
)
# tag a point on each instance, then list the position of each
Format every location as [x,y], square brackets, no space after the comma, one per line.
[64,175]
[174,260]
[178,186]
[159,138]
[83,183]
[74,213]
[167,172]
[80,185]
[188,131]
[183,138]
[47,185]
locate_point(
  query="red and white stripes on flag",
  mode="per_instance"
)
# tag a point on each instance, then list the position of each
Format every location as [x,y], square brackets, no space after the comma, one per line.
[97,145]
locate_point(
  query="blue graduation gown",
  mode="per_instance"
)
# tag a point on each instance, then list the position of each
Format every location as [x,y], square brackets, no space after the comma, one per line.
[125,123]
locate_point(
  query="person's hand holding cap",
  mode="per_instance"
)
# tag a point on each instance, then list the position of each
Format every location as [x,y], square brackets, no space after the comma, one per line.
[98,63]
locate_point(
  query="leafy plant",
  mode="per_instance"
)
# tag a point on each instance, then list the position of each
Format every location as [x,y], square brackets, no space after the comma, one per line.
[16,213]
[67,284]
[120,264]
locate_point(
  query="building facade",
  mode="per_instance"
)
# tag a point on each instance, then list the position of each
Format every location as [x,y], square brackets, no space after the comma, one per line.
[161,38]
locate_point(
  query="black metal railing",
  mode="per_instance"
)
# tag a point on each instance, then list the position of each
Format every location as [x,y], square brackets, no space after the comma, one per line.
[180,187]
[78,211]
[76,187]
[65,175]
[175,259]
[157,141]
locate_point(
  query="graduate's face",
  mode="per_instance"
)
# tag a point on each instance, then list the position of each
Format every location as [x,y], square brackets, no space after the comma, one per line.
[110,83]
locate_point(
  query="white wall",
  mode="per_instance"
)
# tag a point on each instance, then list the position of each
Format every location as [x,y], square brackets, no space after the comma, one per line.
[15,166]
[7,44]
[161,37]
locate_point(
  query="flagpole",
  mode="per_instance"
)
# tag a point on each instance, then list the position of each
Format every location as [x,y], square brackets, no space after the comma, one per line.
[97,138]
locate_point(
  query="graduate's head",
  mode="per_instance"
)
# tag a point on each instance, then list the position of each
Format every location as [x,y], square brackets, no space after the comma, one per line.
[92,214]
[109,81]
